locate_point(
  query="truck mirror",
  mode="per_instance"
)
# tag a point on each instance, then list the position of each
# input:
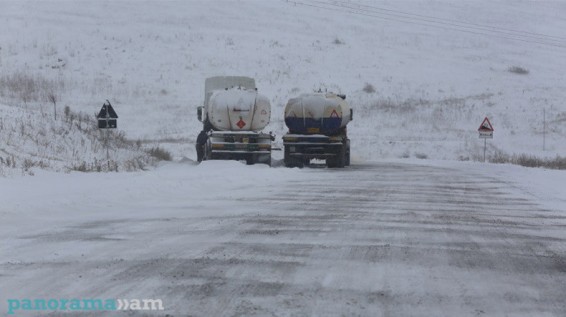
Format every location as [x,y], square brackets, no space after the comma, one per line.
[351,114]
[199,113]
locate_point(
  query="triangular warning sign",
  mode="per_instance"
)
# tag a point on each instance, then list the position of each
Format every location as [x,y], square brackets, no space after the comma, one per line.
[107,111]
[334,114]
[486,125]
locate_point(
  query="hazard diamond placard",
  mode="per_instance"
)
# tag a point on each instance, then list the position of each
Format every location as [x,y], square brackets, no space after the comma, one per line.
[241,123]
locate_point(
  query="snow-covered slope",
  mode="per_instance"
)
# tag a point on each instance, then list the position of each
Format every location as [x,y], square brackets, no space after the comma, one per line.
[34,139]
[437,67]
[402,236]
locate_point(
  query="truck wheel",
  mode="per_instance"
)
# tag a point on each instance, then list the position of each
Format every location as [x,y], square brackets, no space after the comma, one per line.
[341,158]
[331,162]
[250,159]
[287,158]
[347,153]
[200,152]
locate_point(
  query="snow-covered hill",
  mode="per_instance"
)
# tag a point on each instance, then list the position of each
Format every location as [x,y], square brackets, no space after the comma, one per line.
[415,233]
[34,139]
[421,75]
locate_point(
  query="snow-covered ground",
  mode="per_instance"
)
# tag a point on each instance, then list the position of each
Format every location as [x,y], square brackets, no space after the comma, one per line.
[395,238]
[408,229]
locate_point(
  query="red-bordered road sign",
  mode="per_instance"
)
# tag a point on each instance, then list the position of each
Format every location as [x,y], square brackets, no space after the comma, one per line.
[486,129]
[486,125]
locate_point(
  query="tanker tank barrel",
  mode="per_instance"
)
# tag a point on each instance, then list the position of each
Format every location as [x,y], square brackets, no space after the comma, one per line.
[233,116]
[317,130]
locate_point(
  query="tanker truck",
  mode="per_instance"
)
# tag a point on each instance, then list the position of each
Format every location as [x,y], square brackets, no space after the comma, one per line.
[317,130]
[233,115]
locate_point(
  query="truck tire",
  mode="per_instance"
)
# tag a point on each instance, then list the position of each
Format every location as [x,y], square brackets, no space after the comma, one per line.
[339,158]
[332,162]
[347,161]
[286,156]
[200,152]
[251,159]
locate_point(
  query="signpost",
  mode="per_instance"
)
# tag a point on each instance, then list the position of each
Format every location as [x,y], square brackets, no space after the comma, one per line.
[486,132]
[107,119]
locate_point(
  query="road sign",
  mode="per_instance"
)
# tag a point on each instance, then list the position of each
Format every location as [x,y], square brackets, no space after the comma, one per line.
[107,117]
[486,129]
[486,132]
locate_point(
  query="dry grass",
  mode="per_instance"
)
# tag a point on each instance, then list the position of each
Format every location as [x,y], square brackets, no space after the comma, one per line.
[160,154]
[558,163]
[518,70]
[368,88]
[29,87]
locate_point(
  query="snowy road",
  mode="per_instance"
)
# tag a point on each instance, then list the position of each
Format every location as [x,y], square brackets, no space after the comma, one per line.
[386,239]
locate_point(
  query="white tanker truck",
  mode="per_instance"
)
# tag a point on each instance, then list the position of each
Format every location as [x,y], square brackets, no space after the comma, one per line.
[233,115]
[317,130]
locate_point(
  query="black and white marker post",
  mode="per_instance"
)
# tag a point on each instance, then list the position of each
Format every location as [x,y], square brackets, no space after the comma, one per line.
[107,119]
